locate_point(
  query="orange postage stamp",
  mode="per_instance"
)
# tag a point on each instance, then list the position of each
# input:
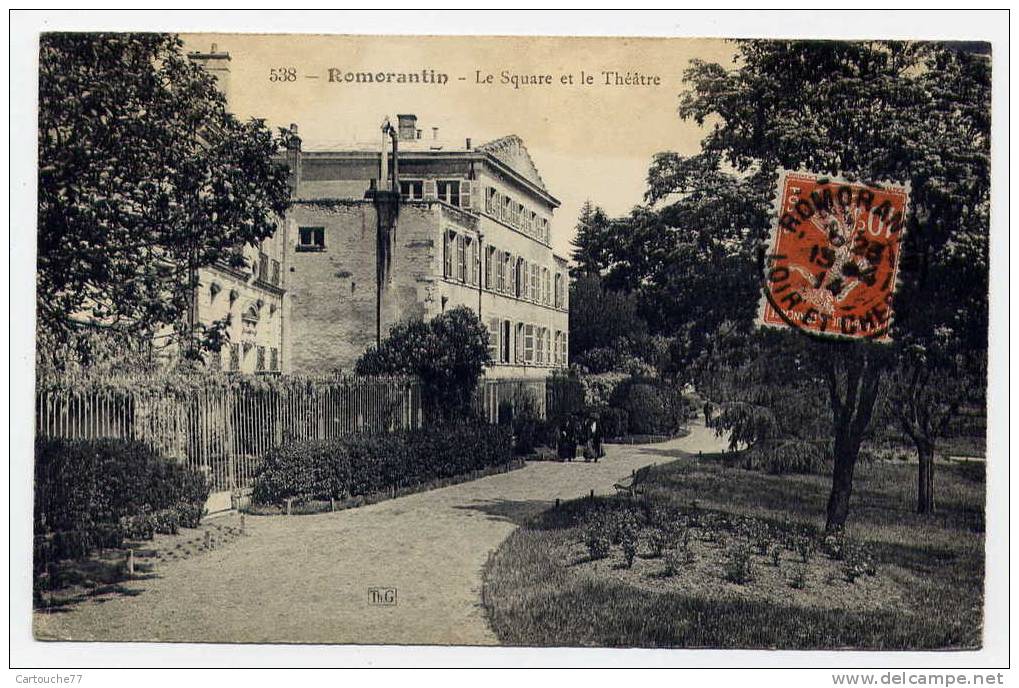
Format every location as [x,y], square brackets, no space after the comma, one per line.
[833,257]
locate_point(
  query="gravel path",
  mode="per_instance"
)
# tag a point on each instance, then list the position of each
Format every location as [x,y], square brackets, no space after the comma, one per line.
[305,579]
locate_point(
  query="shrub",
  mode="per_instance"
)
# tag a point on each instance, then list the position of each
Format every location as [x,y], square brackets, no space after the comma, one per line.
[367,464]
[529,430]
[835,546]
[448,353]
[598,389]
[799,579]
[94,493]
[739,565]
[597,541]
[657,539]
[679,558]
[805,548]
[614,422]
[653,407]
[629,541]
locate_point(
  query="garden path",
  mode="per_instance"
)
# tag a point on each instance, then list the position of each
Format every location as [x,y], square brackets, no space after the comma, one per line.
[305,579]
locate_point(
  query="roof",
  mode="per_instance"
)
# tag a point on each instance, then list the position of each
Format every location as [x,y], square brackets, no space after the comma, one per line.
[512,152]
[506,152]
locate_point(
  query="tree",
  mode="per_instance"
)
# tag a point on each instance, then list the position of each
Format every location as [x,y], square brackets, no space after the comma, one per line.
[873,111]
[601,318]
[143,178]
[925,392]
[590,242]
[448,354]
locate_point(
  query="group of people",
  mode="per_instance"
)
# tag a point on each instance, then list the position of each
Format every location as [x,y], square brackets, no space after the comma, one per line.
[579,431]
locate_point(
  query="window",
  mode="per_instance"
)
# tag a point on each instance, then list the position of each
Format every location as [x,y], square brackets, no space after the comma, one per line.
[235,357]
[557,342]
[276,275]
[566,349]
[520,278]
[260,359]
[448,191]
[546,287]
[274,359]
[263,267]
[490,200]
[540,358]
[559,290]
[504,352]
[311,238]
[447,253]
[412,189]
[518,344]
[529,343]
[535,290]
[461,257]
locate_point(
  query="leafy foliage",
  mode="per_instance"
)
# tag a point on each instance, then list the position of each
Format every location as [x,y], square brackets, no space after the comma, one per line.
[93,493]
[652,407]
[591,246]
[448,354]
[143,177]
[926,121]
[368,464]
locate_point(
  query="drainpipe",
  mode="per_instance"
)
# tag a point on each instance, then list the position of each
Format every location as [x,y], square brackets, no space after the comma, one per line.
[481,269]
[387,208]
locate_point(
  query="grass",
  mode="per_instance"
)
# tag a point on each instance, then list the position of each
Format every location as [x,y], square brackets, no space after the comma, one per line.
[542,589]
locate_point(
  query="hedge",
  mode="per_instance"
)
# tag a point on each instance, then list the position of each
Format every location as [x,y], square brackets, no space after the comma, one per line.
[366,464]
[95,493]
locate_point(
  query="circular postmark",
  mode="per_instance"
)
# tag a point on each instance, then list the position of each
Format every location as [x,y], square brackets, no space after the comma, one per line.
[833,257]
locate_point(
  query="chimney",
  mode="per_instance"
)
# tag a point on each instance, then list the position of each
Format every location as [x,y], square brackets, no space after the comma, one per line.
[435,133]
[407,127]
[294,159]
[468,143]
[216,63]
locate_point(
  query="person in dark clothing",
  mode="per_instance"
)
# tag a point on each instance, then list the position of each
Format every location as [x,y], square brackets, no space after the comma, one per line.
[596,439]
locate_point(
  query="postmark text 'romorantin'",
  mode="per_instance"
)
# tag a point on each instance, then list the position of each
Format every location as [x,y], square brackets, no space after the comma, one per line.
[833,256]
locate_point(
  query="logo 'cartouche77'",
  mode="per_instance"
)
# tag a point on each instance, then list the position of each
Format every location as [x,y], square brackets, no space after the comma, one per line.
[833,258]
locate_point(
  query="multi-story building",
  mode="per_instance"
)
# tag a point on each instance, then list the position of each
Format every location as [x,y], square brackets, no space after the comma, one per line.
[470,226]
[253,297]
[405,226]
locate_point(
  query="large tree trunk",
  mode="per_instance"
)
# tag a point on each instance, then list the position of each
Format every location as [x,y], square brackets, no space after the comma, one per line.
[847,449]
[925,485]
[854,378]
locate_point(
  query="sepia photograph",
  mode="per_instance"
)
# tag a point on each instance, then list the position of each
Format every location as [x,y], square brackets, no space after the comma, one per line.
[530,341]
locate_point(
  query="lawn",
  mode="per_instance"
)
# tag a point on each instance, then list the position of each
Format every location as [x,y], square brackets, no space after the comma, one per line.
[743,564]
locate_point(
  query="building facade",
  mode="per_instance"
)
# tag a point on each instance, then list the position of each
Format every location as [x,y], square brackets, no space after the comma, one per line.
[470,227]
[252,298]
[403,227]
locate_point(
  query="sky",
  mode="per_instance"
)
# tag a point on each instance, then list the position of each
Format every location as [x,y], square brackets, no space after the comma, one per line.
[589,140]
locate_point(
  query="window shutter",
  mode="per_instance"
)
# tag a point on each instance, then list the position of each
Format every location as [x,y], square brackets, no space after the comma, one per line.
[493,339]
[430,192]
[465,194]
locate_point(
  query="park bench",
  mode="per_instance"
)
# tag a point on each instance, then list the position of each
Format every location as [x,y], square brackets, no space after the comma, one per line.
[634,485]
